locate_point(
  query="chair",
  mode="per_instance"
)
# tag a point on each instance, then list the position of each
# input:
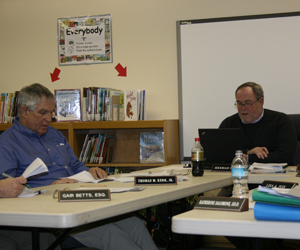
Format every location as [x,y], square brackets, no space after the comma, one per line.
[295,118]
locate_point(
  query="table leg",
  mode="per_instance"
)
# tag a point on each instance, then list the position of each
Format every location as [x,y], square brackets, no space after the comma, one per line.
[60,239]
[35,239]
[148,215]
[169,212]
[183,209]
[256,244]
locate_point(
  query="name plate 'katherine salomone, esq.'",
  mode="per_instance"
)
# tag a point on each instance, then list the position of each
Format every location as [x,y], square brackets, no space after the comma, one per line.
[84,195]
[155,180]
[222,203]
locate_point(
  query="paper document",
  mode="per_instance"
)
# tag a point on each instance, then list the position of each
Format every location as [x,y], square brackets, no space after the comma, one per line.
[36,169]
[260,168]
[30,192]
[293,193]
[117,190]
[86,176]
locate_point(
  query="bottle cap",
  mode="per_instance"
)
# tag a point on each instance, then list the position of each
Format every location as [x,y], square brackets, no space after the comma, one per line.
[197,139]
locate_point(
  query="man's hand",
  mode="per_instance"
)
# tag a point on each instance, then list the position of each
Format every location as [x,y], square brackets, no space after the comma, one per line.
[64,181]
[98,173]
[12,187]
[261,152]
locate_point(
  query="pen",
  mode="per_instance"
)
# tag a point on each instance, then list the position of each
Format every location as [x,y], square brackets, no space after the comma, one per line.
[8,176]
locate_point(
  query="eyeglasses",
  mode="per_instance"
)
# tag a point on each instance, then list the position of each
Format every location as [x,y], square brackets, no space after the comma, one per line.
[247,104]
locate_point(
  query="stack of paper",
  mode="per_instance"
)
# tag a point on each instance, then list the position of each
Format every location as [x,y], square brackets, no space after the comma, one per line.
[277,204]
[30,192]
[86,176]
[267,168]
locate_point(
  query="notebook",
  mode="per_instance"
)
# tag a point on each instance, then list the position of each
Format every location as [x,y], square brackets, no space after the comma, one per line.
[219,145]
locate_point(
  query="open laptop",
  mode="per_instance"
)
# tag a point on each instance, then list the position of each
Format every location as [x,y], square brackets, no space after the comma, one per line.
[219,145]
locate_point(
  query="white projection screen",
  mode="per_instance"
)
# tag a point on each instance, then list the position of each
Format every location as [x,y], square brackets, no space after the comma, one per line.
[216,55]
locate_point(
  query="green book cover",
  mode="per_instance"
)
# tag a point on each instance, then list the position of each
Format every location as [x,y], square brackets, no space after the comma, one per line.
[269,198]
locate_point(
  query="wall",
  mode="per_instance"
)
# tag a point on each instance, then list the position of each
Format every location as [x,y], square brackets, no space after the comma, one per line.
[144,40]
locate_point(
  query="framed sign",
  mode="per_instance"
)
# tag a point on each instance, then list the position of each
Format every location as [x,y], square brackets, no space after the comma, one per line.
[84,40]
[67,105]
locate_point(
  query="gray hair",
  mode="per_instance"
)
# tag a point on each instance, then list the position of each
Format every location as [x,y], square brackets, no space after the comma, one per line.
[256,88]
[31,95]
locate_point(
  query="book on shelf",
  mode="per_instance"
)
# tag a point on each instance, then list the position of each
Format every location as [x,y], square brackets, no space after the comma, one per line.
[143,105]
[108,149]
[83,110]
[108,105]
[98,148]
[8,107]
[68,104]
[93,150]
[134,105]
[87,147]
[83,147]
[116,105]
[90,97]
[98,103]
[152,147]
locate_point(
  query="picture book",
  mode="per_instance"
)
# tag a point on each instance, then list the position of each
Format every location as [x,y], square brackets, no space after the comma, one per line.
[131,105]
[152,147]
[68,104]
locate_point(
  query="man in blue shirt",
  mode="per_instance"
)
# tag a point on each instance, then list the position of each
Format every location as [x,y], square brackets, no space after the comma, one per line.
[31,137]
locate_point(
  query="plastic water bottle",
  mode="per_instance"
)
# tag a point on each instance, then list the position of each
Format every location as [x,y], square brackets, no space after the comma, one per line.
[197,158]
[239,172]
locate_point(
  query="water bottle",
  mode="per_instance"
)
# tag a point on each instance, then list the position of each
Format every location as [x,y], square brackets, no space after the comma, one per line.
[197,158]
[239,172]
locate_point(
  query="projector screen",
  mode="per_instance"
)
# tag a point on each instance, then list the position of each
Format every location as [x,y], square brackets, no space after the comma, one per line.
[215,56]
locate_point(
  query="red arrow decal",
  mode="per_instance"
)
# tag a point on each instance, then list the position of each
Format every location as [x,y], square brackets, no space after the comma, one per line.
[54,75]
[122,71]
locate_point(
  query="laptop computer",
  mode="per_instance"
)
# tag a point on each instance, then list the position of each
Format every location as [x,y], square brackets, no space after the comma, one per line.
[220,145]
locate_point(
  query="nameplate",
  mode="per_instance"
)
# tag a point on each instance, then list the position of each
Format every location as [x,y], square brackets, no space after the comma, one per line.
[221,167]
[279,184]
[222,203]
[84,195]
[155,180]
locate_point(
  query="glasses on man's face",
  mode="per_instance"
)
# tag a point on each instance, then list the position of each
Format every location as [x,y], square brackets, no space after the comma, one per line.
[247,104]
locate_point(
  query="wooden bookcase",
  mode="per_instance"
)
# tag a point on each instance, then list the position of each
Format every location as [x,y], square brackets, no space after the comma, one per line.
[127,148]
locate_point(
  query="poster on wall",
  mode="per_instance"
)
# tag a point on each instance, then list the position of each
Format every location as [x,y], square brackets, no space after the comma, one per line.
[84,40]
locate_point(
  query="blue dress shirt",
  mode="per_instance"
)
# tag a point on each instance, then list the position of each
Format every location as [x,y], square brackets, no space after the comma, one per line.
[20,146]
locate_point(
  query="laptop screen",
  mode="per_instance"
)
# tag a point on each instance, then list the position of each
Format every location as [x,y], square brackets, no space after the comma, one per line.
[220,145]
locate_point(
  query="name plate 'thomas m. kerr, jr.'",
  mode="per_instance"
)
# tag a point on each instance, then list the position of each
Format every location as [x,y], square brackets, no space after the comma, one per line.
[155,180]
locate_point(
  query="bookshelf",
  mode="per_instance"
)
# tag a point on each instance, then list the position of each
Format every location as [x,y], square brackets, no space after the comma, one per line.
[127,132]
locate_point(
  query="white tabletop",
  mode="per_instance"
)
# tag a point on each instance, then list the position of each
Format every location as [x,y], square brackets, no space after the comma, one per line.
[226,223]
[252,178]
[44,211]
